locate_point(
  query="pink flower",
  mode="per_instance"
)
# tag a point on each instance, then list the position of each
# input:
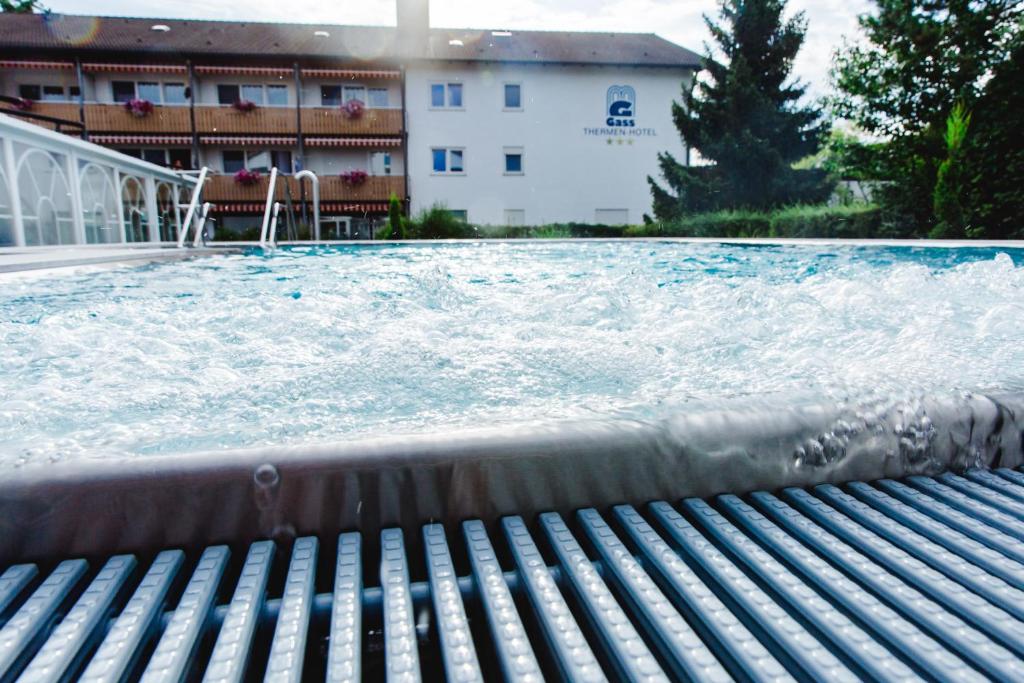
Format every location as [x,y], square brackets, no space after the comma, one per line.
[353,109]
[24,104]
[244,105]
[247,178]
[354,178]
[138,108]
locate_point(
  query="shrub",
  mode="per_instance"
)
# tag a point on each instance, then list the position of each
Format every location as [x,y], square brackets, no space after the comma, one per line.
[851,221]
[396,221]
[438,223]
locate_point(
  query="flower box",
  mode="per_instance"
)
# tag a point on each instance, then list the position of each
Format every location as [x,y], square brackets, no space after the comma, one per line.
[244,105]
[354,178]
[247,178]
[138,108]
[353,109]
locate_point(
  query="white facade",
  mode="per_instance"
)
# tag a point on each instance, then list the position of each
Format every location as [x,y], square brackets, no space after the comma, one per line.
[575,167]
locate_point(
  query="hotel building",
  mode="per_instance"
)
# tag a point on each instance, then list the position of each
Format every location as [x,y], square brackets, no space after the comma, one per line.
[502,127]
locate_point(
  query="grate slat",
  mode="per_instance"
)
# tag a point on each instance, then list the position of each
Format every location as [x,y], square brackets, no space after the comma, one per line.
[231,652]
[518,662]
[289,645]
[678,643]
[12,582]
[992,588]
[575,658]
[955,518]
[988,618]
[859,645]
[78,627]
[176,648]
[122,645]
[974,646]
[996,483]
[778,625]
[893,628]
[19,634]
[1010,475]
[970,505]
[989,495]
[747,656]
[401,652]
[632,658]
[457,650]
[343,654]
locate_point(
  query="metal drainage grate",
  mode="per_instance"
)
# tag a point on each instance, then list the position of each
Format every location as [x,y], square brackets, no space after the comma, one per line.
[921,579]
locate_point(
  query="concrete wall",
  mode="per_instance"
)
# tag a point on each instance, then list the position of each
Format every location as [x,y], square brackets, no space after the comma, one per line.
[574,163]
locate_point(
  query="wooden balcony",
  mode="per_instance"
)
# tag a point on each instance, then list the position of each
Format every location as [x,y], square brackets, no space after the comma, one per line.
[331,121]
[223,188]
[213,120]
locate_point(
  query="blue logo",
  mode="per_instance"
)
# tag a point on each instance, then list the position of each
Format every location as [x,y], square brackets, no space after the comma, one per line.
[621,106]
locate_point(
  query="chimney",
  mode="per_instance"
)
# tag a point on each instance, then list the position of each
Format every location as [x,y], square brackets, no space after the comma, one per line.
[413,26]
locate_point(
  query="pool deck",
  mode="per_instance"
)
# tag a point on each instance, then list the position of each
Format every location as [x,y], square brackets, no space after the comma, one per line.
[20,260]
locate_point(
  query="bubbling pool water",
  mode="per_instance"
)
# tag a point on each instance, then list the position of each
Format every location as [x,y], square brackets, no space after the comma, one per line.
[314,345]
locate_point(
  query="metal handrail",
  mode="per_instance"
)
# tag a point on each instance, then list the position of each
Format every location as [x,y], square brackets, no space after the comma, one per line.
[201,224]
[273,225]
[193,203]
[269,205]
[316,199]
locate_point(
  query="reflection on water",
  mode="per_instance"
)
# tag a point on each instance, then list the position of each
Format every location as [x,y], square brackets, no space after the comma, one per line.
[328,344]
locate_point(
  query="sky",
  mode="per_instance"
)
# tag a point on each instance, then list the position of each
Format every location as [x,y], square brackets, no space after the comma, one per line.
[677,20]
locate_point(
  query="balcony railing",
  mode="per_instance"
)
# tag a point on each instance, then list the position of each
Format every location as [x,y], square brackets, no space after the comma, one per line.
[223,188]
[215,119]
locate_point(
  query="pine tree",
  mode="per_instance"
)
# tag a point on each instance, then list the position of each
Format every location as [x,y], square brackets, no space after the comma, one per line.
[746,118]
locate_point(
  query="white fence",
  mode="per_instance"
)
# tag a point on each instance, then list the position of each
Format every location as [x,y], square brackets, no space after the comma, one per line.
[57,190]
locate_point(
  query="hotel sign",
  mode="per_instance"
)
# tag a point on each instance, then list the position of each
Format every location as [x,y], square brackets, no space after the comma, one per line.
[620,117]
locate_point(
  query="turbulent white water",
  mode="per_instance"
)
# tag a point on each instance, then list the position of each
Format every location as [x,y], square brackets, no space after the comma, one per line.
[310,346]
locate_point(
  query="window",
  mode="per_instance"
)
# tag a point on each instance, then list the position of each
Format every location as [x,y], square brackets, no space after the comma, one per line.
[179,158]
[446,96]
[380,163]
[448,160]
[148,91]
[234,160]
[277,95]
[282,159]
[257,160]
[330,95]
[174,93]
[123,90]
[155,156]
[377,97]
[53,93]
[515,216]
[228,94]
[353,92]
[253,93]
[513,161]
[437,95]
[611,216]
[136,153]
[513,96]
[30,92]
[454,94]
[73,92]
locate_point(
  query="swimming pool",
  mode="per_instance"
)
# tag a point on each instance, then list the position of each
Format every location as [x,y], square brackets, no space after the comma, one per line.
[311,345]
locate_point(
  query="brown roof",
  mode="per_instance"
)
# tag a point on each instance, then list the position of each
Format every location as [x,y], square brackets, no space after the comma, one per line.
[70,34]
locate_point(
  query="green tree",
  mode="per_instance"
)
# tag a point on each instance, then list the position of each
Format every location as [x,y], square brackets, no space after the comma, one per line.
[993,156]
[21,6]
[947,199]
[746,118]
[920,58]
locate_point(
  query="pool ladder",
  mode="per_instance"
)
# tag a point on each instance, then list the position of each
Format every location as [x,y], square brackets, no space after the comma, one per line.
[271,209]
